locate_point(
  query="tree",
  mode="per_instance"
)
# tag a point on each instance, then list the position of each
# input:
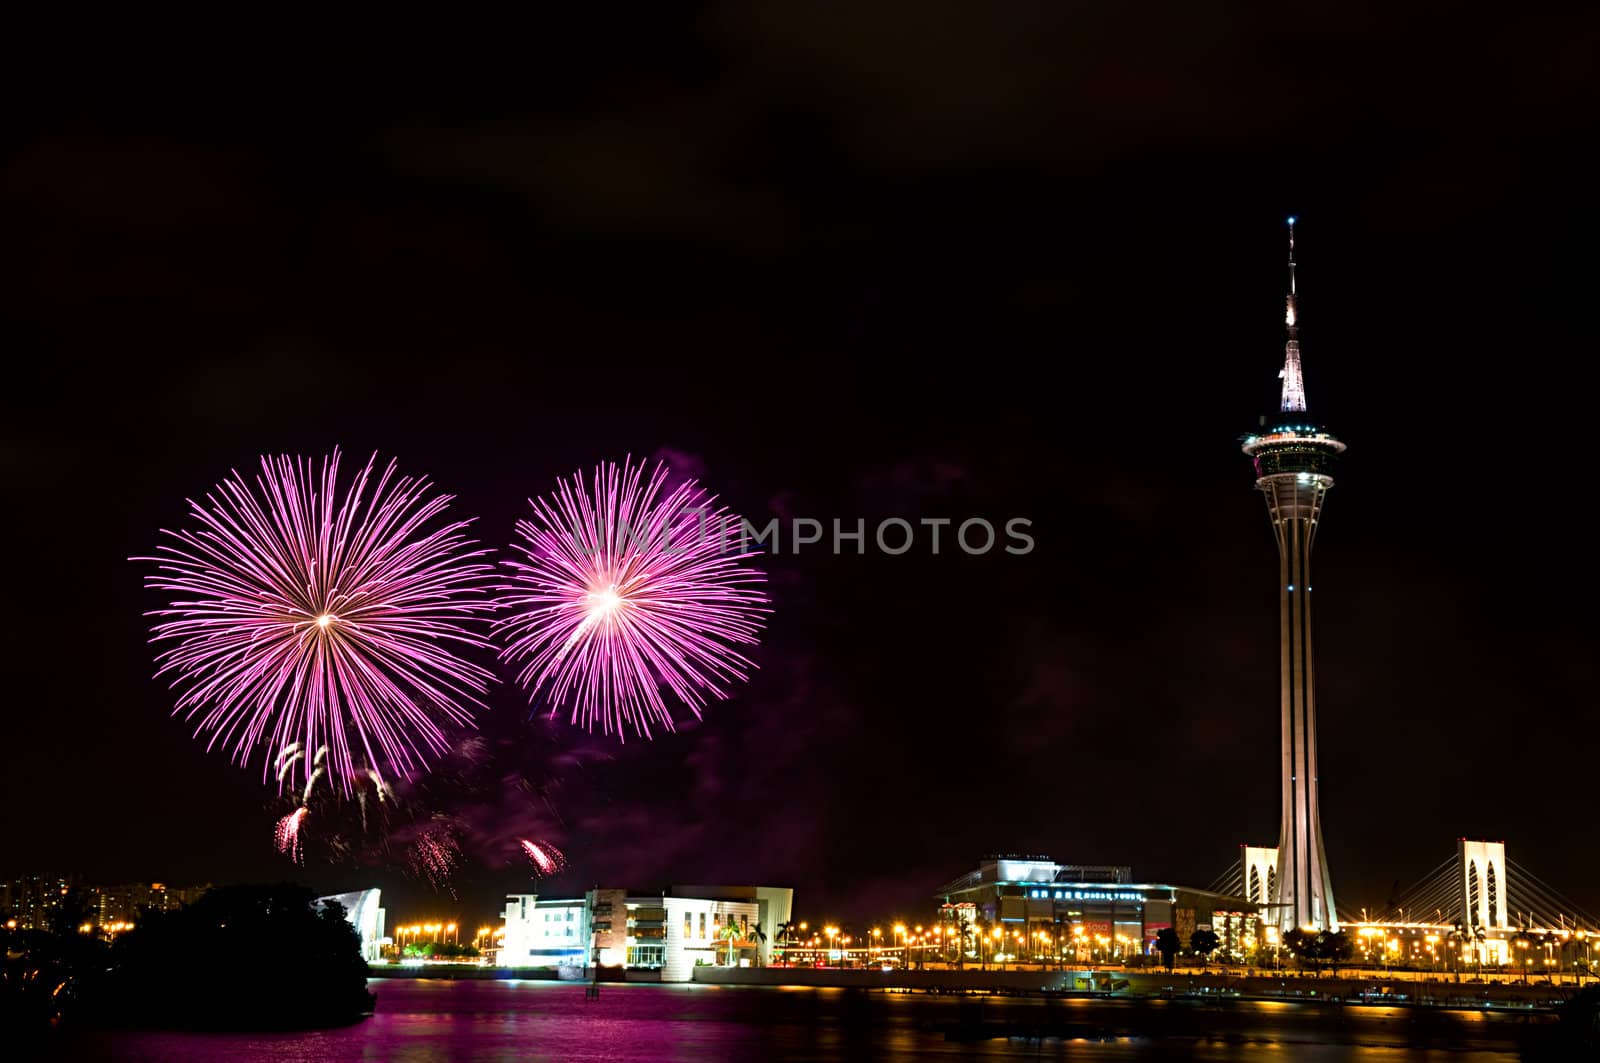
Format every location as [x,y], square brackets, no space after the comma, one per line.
[1455,947]
[759,936]
[963,942]
[1203,943]
[731,933]
[1302,944]
[46,974]
[1523,943]
[304,968]
[1335,946]
[1168,943]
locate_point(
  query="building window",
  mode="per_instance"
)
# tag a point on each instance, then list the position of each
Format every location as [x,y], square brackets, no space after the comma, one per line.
[688,925]
[1472,892]
[647,955]
[702,926]
[1494,895]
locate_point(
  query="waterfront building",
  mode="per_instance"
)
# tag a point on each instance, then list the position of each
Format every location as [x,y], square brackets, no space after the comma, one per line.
[543,932]
[362,910]
[671,932]
[1096,909]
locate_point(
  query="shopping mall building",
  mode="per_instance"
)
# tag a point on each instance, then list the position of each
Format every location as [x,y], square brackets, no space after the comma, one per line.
[1096,909]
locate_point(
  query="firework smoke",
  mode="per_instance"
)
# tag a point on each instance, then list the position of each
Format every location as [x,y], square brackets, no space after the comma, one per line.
[491,790]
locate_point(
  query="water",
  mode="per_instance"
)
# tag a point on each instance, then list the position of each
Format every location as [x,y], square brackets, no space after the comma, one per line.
[424,1019]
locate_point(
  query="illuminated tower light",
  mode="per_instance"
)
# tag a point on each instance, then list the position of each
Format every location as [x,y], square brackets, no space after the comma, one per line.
[1294,384]
[1293,461]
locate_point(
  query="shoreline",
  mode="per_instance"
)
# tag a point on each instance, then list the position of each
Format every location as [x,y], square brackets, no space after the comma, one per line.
[1217,988]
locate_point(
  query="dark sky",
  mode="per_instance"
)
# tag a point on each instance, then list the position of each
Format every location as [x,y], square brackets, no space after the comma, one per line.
[898,262]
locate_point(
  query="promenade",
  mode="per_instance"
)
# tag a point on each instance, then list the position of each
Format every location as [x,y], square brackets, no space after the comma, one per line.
[1347,986]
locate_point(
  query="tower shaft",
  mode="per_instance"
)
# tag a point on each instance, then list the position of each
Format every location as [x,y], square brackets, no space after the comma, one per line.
[1305,887]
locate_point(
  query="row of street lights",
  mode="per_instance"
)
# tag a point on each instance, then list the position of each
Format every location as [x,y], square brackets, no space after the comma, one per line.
[946,942]
[431,932]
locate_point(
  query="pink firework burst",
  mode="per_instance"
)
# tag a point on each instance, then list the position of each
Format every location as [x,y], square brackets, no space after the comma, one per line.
[626,588]
[306,613]
[287,834]
[547,859]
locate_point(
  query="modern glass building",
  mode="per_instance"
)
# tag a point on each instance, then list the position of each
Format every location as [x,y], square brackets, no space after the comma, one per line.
[1096,910]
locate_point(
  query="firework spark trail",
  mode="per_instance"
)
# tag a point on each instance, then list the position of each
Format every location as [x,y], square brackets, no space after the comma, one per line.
[287,835]
[547,859]
[493,788]
[623,588]
[286,759]
[304,617]
[435,856]
[316,773]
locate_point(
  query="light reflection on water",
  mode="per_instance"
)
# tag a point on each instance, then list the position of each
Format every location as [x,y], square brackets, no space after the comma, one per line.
[499,1020]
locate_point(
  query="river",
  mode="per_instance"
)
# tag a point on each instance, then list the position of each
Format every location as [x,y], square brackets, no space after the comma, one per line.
[424,1019]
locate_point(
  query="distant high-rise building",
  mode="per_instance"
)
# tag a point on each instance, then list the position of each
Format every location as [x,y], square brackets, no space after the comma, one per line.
[1293,460]
[33,900]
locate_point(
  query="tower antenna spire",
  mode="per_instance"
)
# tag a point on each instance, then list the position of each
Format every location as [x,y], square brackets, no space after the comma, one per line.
[1294,384]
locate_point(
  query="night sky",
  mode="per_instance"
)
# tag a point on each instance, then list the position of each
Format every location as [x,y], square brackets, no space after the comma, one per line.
[900,263]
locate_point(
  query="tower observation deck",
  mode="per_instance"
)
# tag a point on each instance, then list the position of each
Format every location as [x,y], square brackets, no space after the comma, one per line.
[1294,459]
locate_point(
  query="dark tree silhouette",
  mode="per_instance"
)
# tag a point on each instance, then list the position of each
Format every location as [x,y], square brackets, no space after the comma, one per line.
[288,964]
[1168,943]
[1335,946]
[1303,945]
[1575,1037]
[44,973]
[1203,943]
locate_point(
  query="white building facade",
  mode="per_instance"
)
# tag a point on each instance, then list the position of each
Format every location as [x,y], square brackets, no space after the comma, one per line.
[672,932]
[544,932]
